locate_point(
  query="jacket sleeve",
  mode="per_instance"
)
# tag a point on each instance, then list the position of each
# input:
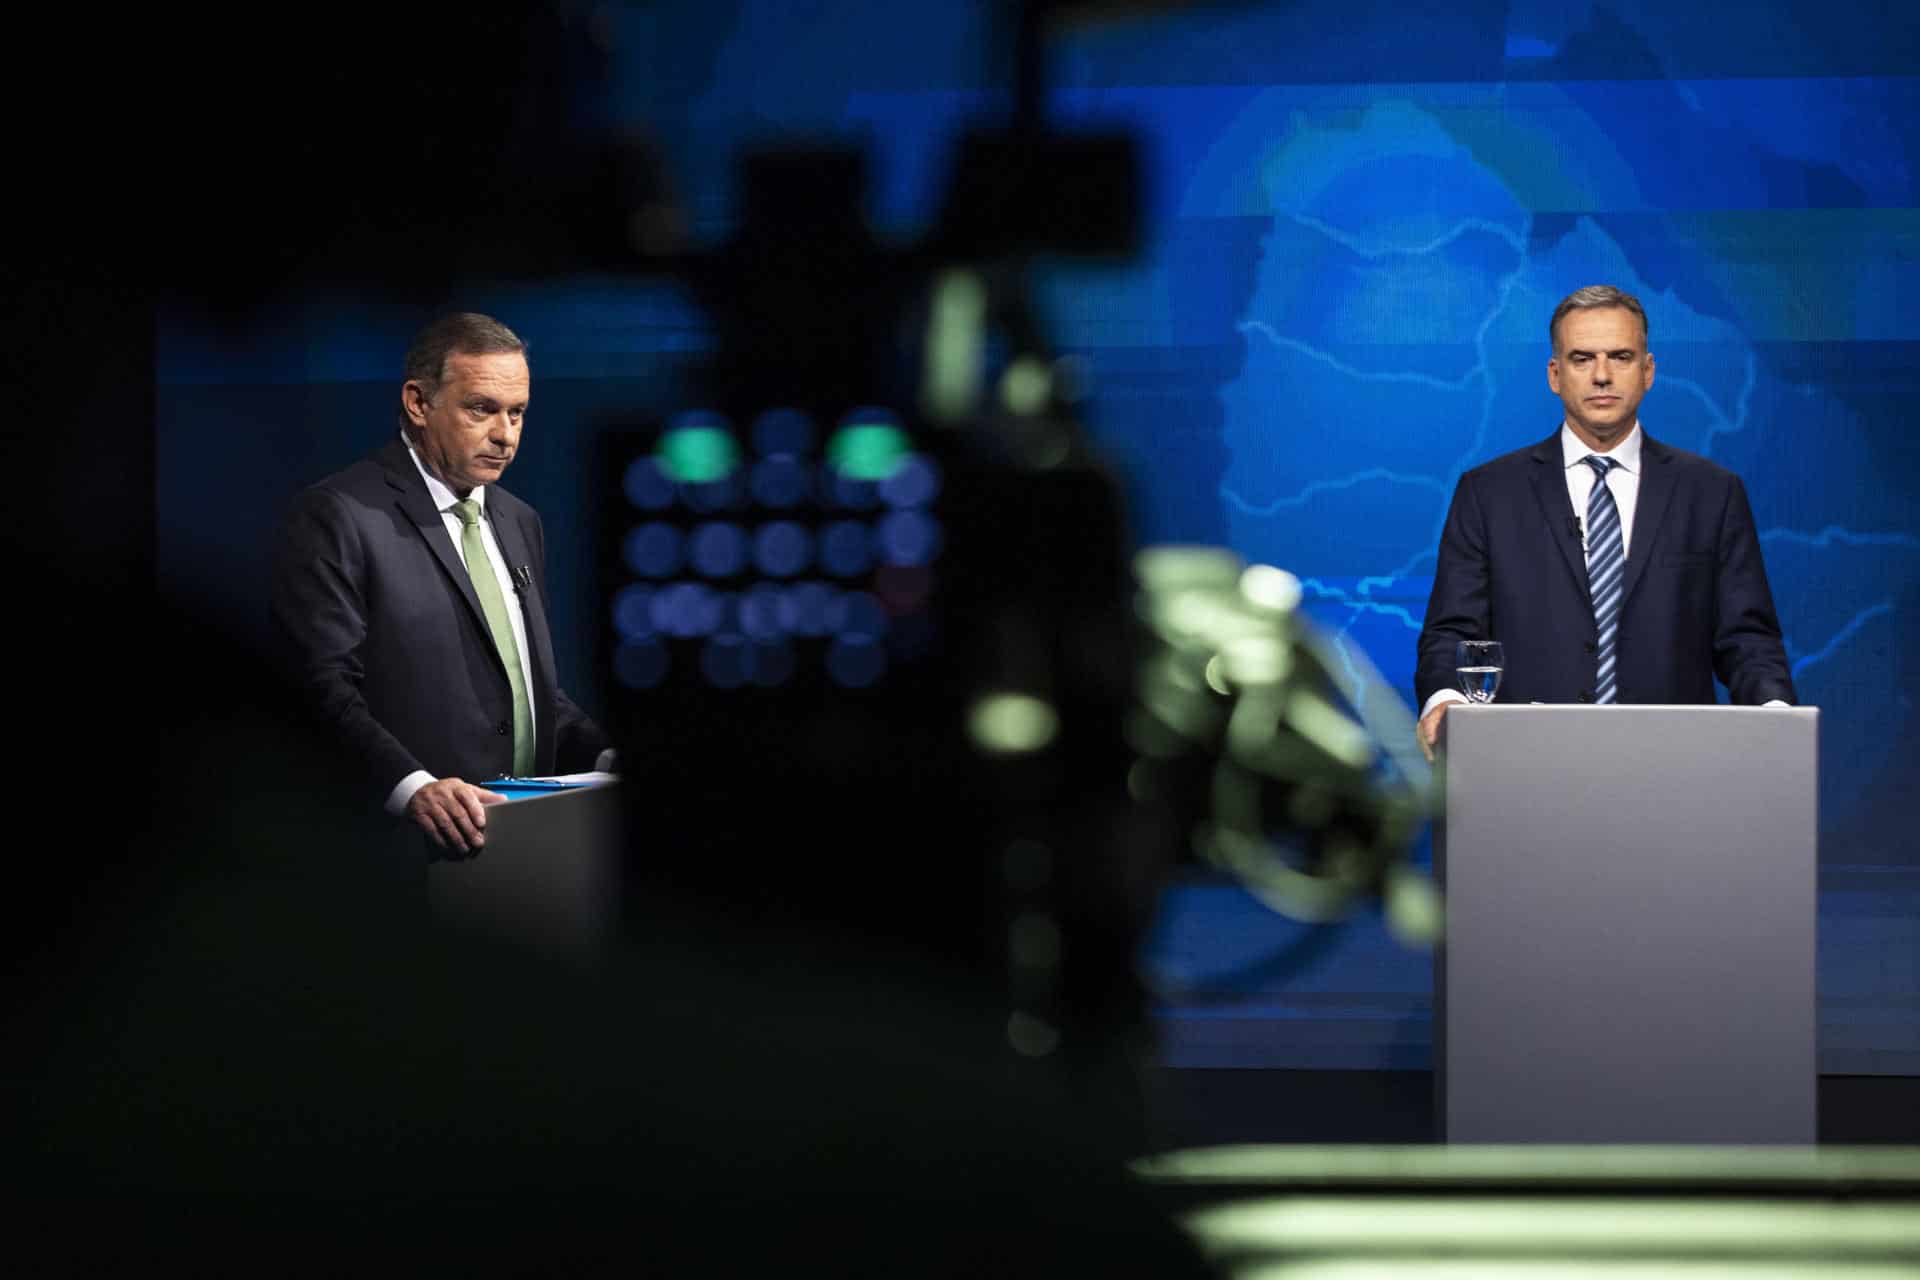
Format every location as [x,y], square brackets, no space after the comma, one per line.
[319,615]
[1748,654]
[1457,609]
[577,740]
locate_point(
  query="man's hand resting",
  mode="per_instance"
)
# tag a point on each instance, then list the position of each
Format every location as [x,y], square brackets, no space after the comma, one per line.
[1429,731]
[453,813]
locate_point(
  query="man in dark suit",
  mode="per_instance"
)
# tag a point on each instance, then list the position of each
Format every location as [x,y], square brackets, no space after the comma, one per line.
[1612,568]
[410,593]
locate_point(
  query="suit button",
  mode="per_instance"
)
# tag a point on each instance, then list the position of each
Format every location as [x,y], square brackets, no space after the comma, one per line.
[1585,696]
[505,727]
[1592,647]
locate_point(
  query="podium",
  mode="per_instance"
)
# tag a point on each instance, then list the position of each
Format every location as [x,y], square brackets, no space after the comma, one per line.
[548,876]
[1629,954]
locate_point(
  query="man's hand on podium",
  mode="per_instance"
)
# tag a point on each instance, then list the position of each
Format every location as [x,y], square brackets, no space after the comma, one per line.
[1431,727]
[453,813]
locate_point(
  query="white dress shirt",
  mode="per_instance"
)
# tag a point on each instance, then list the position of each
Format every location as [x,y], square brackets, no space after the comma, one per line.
[1623,481]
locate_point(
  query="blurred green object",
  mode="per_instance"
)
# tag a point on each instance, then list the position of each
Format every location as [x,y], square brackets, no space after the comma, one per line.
[1542,1211]
[698,455]
[867,450]
[1308,792]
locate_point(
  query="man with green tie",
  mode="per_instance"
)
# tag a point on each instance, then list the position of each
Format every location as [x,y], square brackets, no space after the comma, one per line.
[410,596]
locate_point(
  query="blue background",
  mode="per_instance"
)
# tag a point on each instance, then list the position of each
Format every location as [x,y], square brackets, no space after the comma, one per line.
[1360,215]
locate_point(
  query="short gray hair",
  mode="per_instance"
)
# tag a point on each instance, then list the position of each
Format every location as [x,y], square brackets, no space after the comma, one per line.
[463,333]
[466,333]
[1591,298]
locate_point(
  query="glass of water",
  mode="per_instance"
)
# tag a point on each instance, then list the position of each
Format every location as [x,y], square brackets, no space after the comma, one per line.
[1479,664]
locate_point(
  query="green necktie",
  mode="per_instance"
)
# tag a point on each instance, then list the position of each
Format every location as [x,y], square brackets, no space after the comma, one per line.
[487,587]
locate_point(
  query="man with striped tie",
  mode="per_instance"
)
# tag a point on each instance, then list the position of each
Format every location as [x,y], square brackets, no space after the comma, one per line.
[1612,567]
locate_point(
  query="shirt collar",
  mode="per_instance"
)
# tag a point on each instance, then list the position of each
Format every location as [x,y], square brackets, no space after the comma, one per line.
[443,497]
[1625,455]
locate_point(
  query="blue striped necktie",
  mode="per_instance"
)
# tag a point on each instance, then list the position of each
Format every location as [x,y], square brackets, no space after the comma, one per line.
[1606,571]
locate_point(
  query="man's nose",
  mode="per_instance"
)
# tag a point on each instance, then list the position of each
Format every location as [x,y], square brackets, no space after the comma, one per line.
[1602,375]
[504,431]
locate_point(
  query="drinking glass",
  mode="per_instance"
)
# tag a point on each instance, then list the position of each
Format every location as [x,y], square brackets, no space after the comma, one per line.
[1479,664]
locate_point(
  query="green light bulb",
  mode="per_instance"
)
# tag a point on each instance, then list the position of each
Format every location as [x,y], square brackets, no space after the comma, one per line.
[867,450]
[698,455]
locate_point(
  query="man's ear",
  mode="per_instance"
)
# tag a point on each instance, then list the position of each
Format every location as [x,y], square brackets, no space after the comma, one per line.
[414,402]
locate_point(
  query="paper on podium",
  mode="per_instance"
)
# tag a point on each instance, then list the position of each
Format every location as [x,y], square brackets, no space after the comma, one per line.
[552,782]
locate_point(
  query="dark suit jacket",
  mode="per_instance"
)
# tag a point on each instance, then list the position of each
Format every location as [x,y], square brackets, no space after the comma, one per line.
[1695,603]
[384,634]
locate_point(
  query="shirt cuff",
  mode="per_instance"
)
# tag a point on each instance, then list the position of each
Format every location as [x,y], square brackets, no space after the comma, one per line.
[607,761]
[397,800]
[1775,702]
[1440,696]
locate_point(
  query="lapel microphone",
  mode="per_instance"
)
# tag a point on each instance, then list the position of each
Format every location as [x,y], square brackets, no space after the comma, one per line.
[1573,526]
[522,575]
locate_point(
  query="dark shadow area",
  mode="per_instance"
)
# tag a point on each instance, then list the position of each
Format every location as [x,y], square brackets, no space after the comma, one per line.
[249,1049]
[248,1039]
[1220,1106]
[1224,1106]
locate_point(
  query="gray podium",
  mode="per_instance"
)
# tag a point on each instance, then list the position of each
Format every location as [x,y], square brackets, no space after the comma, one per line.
[548,875]
[1630,925]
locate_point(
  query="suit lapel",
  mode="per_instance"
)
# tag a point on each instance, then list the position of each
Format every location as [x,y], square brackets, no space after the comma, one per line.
[1650,509]
[510,534]
[1550,489]
[513,546]
[417,505]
